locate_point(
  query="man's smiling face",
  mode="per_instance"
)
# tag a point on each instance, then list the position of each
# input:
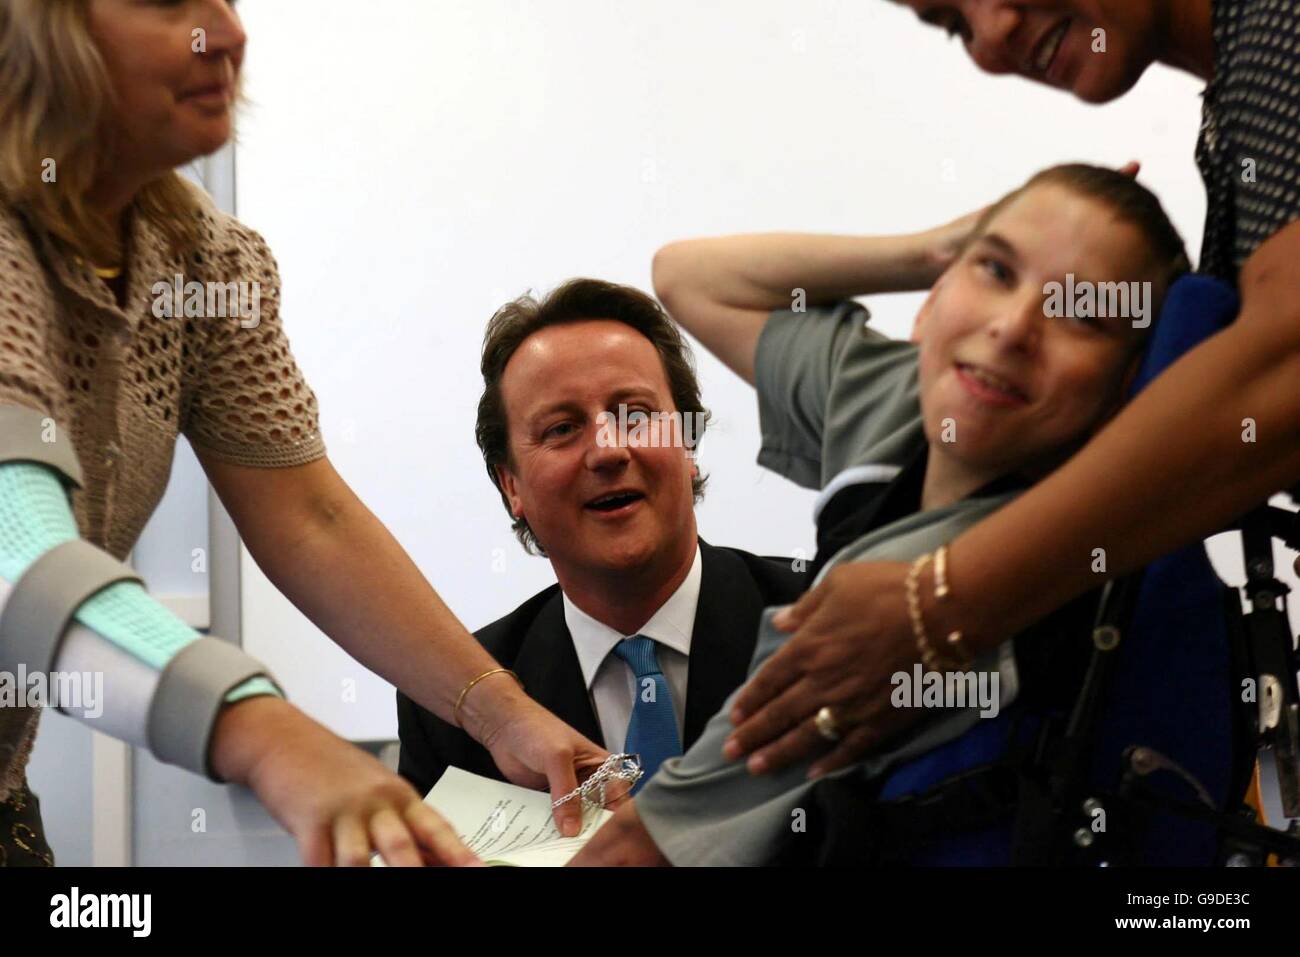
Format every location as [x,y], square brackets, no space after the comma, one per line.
[593,505]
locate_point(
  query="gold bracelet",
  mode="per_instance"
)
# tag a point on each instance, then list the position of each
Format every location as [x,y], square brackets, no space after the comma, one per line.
[941,592]
[914,612]
[941,572]
[455,712]
[930,657]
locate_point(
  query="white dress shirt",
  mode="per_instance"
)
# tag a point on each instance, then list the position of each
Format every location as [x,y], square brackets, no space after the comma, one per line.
[610,682]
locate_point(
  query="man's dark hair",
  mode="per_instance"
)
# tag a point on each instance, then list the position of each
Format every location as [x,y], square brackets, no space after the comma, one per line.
[577,300]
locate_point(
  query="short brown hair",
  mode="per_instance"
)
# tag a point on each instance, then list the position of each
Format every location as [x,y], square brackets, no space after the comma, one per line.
[1129,200]
[577,300]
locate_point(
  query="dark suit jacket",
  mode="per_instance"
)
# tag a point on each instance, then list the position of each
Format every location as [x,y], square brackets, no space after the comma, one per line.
[534,642]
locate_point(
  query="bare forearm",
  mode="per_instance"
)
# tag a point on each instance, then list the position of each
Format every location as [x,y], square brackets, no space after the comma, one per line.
[722,290]
[761,271]
[348,574]
[244,731]
[1213,436]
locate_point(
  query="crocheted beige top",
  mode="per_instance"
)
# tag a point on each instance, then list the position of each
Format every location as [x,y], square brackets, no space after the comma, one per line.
[124,382]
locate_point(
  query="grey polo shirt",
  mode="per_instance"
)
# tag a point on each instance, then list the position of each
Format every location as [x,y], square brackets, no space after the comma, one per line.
[835,398]
[838,404]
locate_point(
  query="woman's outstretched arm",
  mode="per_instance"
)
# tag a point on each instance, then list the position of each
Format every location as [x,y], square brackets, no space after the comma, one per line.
[319,544]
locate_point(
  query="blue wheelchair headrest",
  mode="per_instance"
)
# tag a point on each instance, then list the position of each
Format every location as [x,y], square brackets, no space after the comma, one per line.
[1195,308]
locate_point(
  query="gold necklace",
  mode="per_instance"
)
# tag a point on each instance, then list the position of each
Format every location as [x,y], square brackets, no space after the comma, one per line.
[103,272]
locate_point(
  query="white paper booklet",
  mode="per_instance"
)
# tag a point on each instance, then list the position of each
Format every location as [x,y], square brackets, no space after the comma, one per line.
[505,824]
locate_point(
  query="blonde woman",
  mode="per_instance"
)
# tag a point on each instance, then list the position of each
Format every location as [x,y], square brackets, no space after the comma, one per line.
[100,102]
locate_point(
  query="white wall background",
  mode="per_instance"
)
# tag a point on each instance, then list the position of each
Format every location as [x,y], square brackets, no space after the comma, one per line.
[416,163]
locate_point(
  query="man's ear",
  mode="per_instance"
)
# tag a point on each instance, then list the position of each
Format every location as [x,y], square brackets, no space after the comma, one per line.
[507,480]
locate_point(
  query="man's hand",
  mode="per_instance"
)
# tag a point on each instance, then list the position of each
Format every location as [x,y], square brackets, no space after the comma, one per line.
[851,634]
[622,841]
[339,803]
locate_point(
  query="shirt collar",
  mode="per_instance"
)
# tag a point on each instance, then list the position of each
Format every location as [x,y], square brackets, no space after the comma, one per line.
[671,625]
[911,482]
[145,263]
[860,508]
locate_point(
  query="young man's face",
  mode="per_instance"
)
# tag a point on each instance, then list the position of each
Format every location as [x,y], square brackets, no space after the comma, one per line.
[1095,48]
[1008,383]
[555,388]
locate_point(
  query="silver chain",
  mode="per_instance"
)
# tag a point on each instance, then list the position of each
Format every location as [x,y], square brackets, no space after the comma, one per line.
[616,767]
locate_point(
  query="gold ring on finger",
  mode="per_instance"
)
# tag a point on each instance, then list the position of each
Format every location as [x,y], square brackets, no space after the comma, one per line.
[826,726]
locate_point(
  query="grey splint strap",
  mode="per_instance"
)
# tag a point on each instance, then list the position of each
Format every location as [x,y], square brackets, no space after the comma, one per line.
[23,438]
[45,598]
[191,691]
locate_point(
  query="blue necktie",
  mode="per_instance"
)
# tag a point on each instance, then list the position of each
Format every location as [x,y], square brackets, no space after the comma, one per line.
[652,732]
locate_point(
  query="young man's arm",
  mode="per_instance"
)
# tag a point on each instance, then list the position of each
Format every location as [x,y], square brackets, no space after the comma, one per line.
[722,290]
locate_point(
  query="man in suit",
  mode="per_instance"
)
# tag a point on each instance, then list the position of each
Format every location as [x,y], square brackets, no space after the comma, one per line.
[588,425]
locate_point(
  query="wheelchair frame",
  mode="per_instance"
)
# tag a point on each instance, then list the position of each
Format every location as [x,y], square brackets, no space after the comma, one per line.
[1264,653]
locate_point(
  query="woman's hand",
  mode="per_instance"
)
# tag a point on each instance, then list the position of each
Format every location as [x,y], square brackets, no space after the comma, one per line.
[851,634]
[339,803]
[535,749]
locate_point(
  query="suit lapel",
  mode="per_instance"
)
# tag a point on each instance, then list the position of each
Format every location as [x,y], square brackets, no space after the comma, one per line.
[548,666]
[720,649]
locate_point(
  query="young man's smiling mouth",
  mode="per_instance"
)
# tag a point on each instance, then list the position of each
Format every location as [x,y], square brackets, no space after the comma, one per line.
[989,386]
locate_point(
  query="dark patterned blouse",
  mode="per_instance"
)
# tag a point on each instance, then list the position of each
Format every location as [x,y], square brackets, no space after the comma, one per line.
[1249,147]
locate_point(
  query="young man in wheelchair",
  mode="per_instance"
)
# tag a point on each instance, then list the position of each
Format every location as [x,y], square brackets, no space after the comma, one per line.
[910,443]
